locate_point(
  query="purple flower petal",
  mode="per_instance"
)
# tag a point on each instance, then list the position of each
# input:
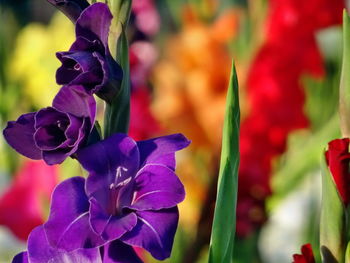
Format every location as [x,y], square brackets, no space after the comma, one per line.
[161,150]
[74,100]
[118,226]
[80,67]
[112,76]
[21,258]
[114,159]
[84,44]
[74,131]
[50,125]
[68,226]
[118,252]
[110,227]
[20,135]
[55,157]
[39,251]
[71,8]
[156,187]
[94,22]
[155,231]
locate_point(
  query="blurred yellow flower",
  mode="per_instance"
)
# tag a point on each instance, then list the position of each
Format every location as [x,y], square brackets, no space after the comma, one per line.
[34,62]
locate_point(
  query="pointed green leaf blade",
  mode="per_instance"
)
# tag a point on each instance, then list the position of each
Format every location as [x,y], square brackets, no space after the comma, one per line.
[224,224]
[332,221]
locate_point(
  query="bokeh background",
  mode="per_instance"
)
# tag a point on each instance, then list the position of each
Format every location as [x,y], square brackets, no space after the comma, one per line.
[288,59]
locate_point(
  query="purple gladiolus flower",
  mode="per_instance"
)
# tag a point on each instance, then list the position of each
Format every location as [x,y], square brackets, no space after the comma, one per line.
[89,62]
[56,132]
[130,195]
[71,8]
[39,251]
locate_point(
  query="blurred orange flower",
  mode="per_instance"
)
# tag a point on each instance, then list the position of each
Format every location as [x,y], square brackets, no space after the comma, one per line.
[191,80]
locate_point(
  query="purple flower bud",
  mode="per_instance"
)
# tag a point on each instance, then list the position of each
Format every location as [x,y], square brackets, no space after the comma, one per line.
[56,132]
[71,8]
[89,62]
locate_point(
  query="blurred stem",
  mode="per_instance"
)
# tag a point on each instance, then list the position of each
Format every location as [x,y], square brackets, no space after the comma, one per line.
[205,220]
[246,249]
[301,161]
[344,92]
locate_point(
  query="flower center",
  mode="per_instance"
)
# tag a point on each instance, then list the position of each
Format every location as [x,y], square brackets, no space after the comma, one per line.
[118,191]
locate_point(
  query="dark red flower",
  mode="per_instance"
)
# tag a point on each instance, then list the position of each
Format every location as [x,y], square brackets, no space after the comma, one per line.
[306,256]
[338,158]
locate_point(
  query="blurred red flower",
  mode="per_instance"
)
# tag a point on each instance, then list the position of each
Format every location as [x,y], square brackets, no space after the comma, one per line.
[275,93]
[142,123]
[23,204]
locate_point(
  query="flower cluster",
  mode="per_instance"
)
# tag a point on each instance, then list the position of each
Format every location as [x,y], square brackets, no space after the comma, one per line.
[275,92]
[130,195]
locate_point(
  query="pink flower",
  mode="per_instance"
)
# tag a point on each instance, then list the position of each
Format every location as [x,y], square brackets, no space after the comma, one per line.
[22,206]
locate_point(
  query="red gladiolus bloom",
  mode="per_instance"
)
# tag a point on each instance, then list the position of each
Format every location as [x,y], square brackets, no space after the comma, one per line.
[276,94]
[338,158]
[306,256]
[22,205]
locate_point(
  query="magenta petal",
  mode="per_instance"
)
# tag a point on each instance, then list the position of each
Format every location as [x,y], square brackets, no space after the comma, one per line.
[20,136]
[157,187]
[118,252]
[39,251]
[161,150]
[21,258]
[74,100]
[155,231]
[68,225]
[94,22]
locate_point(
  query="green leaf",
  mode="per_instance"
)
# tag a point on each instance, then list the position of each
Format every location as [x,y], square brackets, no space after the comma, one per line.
[347,253]
[344,91]
[117,113]
[332,224]
[224,224]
